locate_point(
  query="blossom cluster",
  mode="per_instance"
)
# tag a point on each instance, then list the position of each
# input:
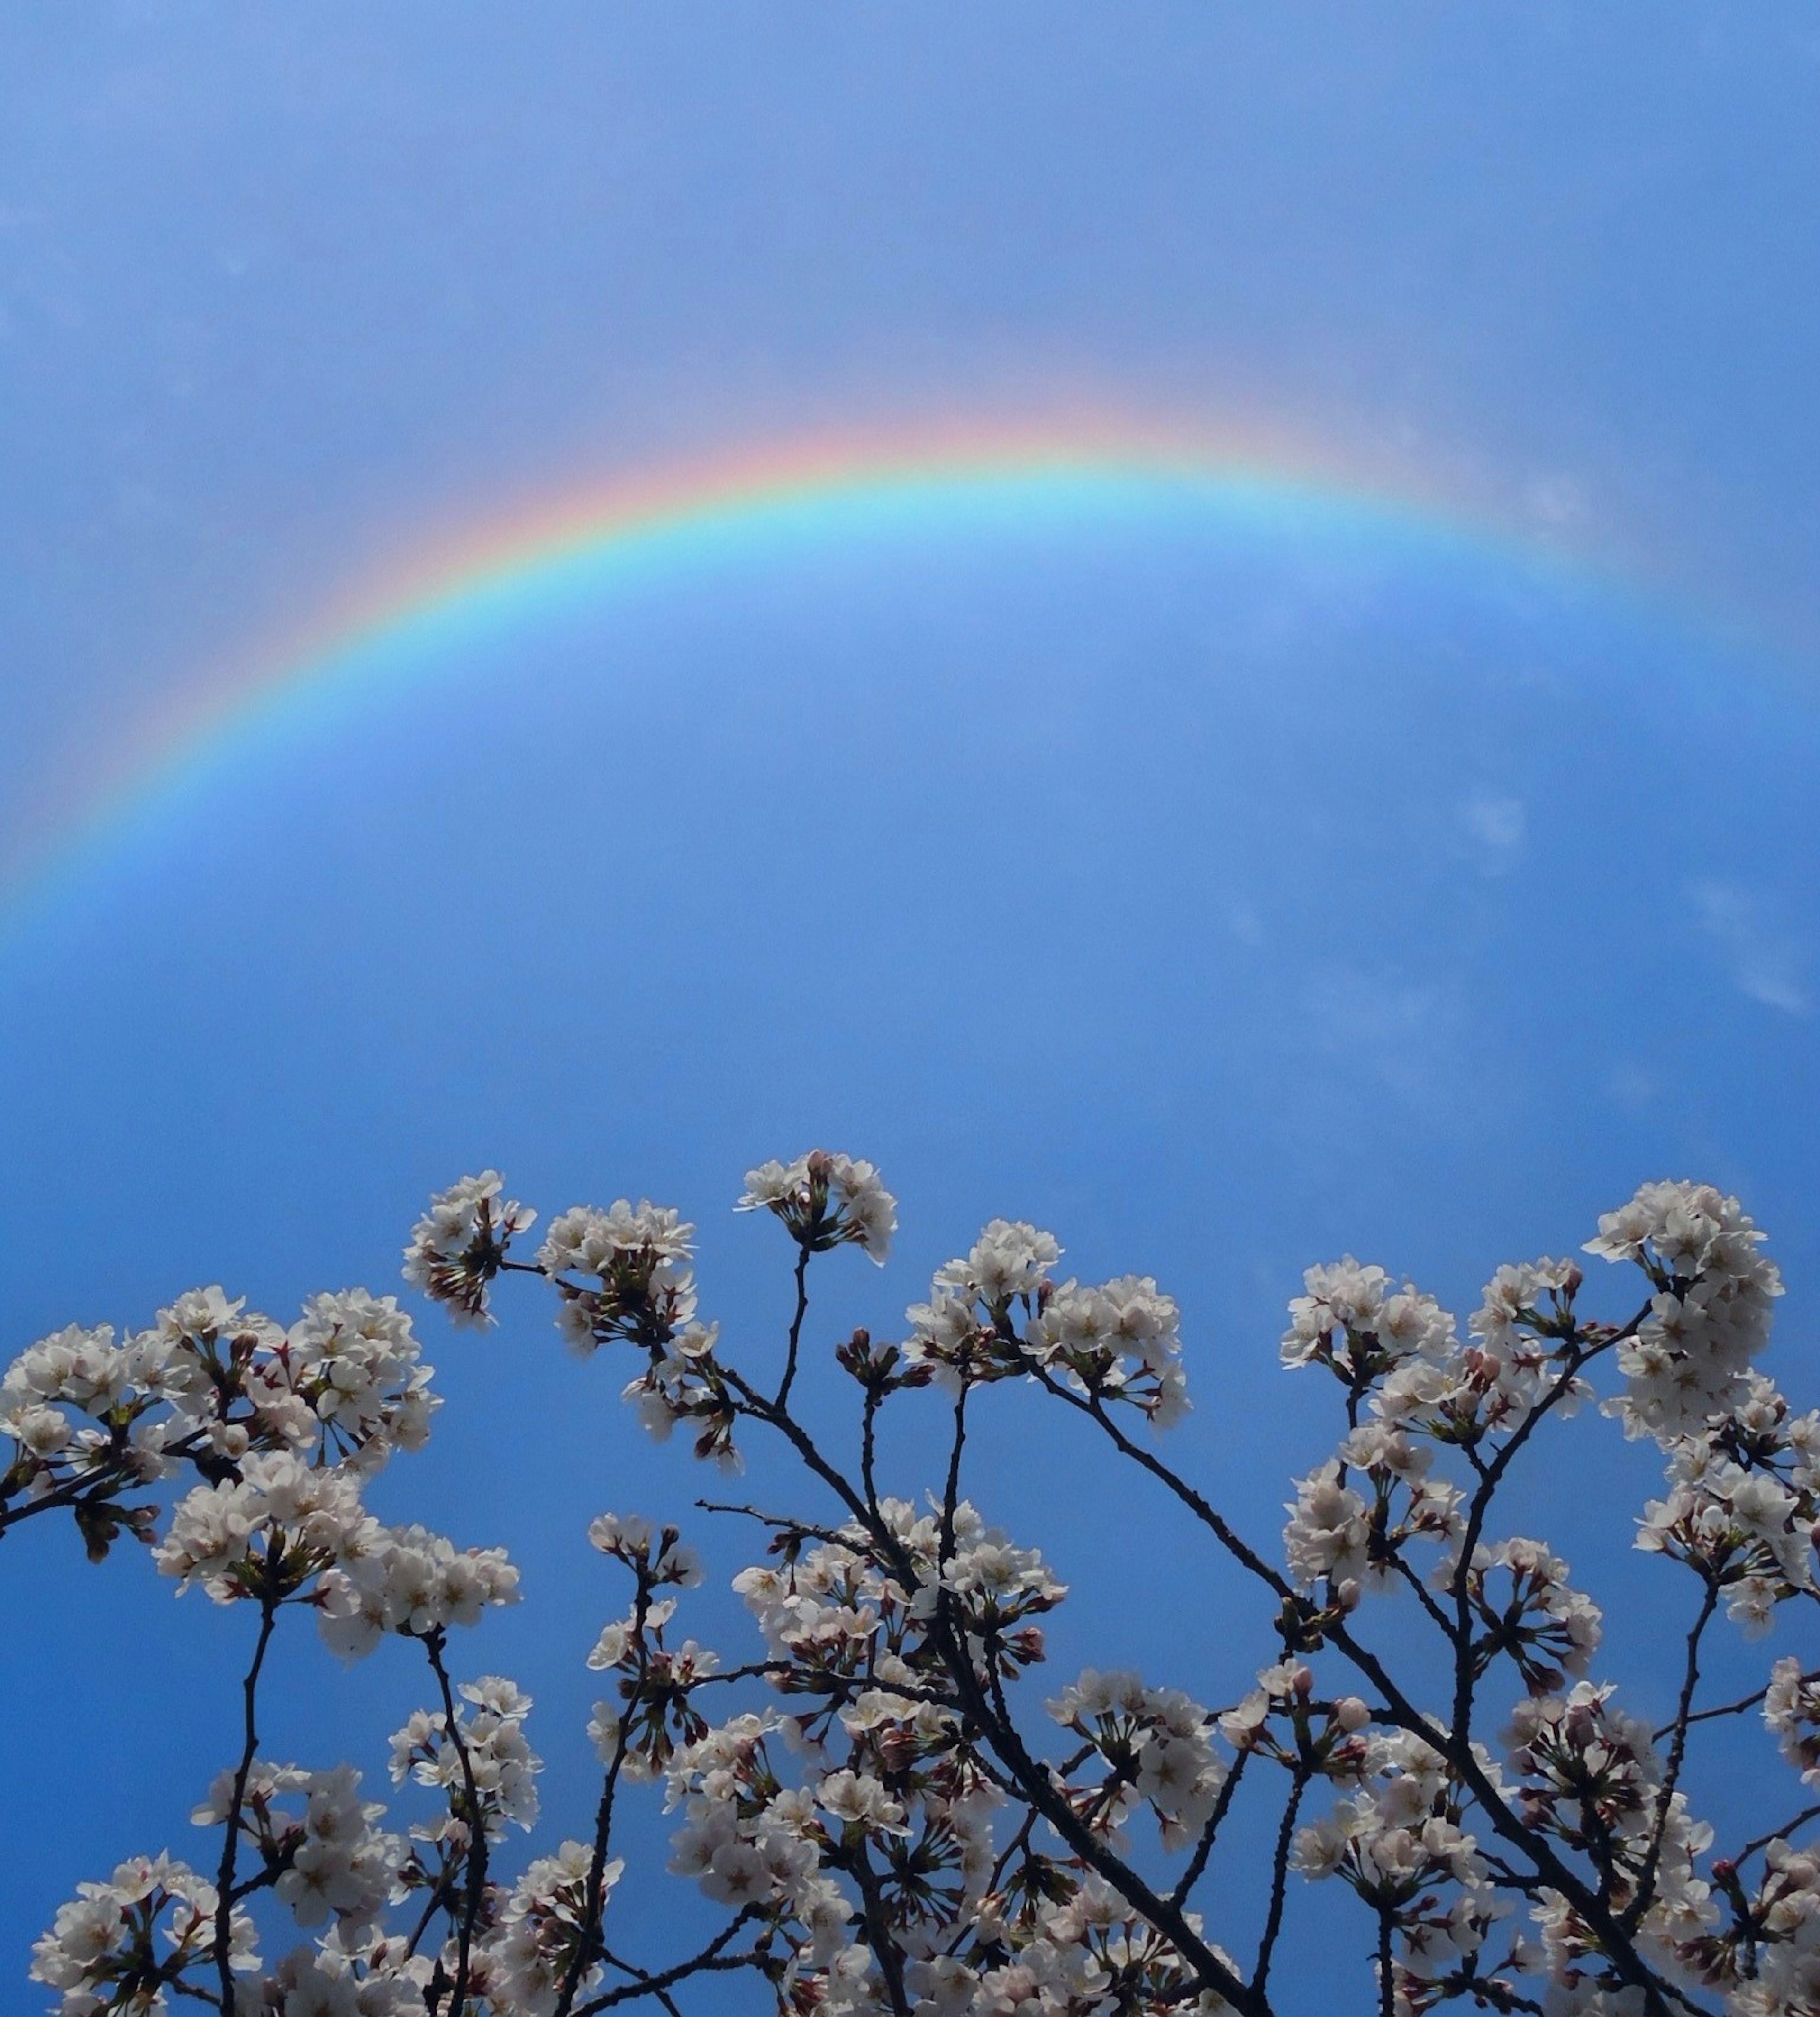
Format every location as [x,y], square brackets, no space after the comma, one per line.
[537,1943]
[460,1244]
[1791,1710]
[270,1530]
[1397,1839]
[636,1258]
[327,1858]
[824,1200]
[998,1312]
[483,1747]
[1158,1746]
[406,1579]
[1527,1611]
[119,1943]
[1350,1538]
[1591,1776]
[93,1416]
[635,1286]
[1352,1321]
[1709,1314]
[1743,1501]
[284,1529]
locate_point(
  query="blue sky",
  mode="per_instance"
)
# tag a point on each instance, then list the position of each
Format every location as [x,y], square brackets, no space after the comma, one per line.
[1226,899]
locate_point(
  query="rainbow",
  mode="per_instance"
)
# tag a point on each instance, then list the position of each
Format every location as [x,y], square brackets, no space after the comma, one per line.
[685,519]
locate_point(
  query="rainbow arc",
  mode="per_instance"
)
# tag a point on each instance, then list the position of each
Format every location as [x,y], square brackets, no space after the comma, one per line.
[689,518]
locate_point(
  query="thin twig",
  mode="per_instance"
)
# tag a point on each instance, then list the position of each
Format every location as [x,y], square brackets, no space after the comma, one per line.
[795,1324]
[1425,1596]
[1677,1753]
[476,1833]
[1279,1879]
[868,1446]
[594,1897]
[223,1911]
[1731,1707]
[884,1949]
[783,1523]
[1778,1833]
[439,1892]
[1489,1479]
[713,1958]
[1204,1847]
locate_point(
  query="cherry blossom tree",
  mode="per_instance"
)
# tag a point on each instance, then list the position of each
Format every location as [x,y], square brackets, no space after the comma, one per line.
[893,1815]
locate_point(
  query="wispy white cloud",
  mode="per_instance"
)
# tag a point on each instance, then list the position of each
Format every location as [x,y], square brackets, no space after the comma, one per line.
[1557,500]
[1765,959]
[1630,1085]
[1499,829]
[1408,1035]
